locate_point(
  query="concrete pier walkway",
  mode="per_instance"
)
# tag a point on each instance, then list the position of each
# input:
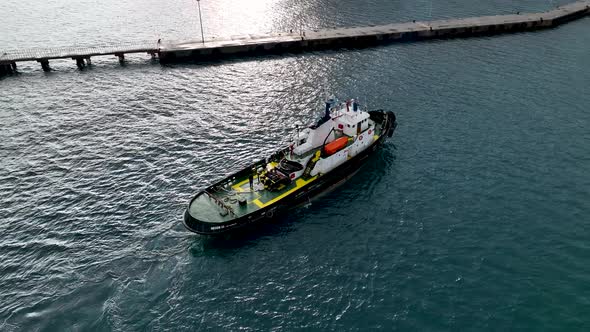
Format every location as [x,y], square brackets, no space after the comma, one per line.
[306,40]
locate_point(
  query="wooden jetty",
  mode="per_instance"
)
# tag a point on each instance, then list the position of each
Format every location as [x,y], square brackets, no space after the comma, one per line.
[306,40]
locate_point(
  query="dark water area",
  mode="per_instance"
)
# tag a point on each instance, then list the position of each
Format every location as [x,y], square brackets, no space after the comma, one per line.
[474,217]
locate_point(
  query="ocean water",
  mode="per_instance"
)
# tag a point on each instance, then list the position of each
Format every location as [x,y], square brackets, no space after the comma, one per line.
[474,217]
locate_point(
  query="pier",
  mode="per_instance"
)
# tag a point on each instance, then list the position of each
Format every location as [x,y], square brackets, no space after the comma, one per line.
[81,55]
[308,40]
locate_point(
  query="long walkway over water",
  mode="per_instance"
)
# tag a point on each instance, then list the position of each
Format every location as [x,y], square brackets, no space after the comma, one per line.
[299,41]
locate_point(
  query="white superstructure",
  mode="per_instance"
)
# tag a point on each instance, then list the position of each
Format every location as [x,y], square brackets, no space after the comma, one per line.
[350,129]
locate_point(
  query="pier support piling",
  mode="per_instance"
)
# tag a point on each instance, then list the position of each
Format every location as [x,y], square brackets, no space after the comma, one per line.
[88,61]
[44,65]
[13,65]
[121,57]
[80,63]
[4,69]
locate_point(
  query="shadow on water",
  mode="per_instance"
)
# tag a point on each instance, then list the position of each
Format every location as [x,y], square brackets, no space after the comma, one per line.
[250,236]
[265,56]
[101,64]
[319,51]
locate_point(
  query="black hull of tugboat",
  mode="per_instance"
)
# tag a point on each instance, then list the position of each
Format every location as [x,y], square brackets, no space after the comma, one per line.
[317,187]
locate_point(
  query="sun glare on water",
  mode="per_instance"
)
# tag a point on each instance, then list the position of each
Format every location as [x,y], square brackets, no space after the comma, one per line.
[235,17]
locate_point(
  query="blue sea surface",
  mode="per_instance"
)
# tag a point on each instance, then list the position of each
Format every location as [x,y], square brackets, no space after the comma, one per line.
[474,217]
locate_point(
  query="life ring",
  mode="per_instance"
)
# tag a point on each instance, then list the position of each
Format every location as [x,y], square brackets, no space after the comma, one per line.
[369,131]
[360,137]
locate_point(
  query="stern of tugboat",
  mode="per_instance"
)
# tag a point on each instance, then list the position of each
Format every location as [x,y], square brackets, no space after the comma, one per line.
[208,216]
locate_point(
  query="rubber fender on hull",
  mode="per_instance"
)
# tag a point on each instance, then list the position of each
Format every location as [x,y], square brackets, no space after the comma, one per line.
[377,115]
[392,123]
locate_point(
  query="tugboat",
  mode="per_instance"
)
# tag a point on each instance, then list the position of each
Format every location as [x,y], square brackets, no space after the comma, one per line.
[322,155]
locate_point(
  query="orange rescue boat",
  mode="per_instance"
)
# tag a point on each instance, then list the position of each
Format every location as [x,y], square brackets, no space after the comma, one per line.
[336,145]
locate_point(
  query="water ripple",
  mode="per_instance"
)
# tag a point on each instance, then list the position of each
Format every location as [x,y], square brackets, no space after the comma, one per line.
[475,219]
